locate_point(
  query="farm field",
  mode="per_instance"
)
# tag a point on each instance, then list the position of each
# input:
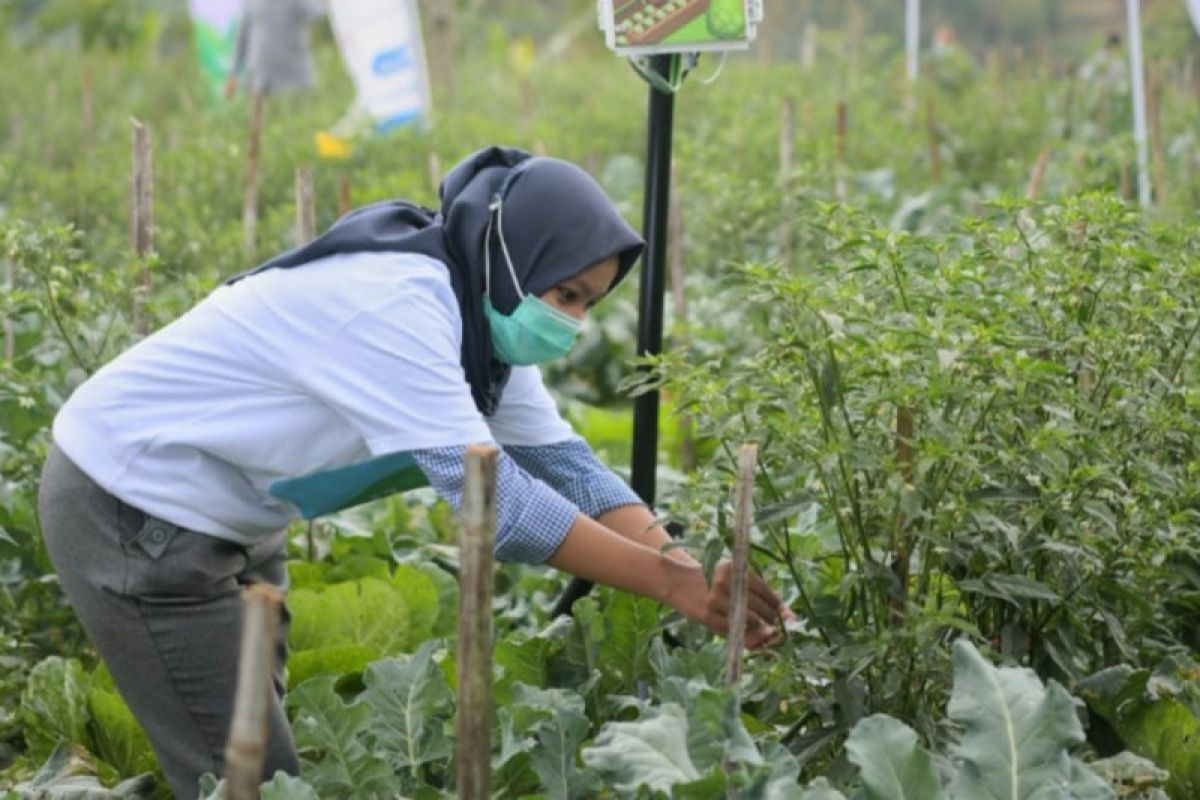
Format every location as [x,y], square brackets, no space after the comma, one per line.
[965,351]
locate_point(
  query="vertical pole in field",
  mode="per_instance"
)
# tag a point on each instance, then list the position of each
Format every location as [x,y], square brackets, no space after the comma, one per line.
[1137,83]
[935,151]
[142,217]
[787,166]
[912,38]
[474,724]
[343,195]
[306,212]
[743,516]
[89,125]
[246,747]
[435,171]
[1158,152]
[250,197]
[652,289]
[841,132]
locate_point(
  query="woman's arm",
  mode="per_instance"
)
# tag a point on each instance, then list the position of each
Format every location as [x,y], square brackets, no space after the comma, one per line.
[601,555]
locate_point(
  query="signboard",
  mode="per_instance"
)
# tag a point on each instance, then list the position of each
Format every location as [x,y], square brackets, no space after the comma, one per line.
[214,25]
[644,27]
[380,42]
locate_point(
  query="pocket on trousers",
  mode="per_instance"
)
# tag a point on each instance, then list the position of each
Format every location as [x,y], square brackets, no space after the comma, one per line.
[167,563]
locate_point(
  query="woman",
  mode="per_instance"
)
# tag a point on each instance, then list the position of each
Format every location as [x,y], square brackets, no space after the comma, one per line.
[360,364]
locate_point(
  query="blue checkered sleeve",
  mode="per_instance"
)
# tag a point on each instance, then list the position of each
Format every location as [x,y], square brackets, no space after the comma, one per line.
[531,518]
[573,470]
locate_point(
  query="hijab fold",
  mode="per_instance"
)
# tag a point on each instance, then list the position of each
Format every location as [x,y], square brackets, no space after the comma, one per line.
[557,222]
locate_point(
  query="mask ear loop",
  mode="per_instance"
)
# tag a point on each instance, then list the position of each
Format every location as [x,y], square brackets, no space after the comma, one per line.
[497,206]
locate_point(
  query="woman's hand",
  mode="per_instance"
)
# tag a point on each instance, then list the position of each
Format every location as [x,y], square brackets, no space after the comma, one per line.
[712,604]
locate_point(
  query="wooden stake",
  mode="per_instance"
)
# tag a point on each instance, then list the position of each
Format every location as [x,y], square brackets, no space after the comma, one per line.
[89,121]
[808,46]
[343,195]
[247,745]
[1158,153]
[250,198]
[474,725]
[435,171]
[142,218]
[1039,171]
[743,516]
[306,212]
[935,156]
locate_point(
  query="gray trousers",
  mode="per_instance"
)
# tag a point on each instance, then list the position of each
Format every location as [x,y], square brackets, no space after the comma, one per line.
[162,605]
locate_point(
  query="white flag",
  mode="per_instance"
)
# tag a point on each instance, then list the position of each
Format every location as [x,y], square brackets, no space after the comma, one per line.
[380,41]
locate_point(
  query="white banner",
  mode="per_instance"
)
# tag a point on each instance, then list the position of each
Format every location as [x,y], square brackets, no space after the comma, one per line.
[380,42]
[1193,7]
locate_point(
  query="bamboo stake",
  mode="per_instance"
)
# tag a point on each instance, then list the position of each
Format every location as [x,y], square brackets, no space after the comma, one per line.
[474,725]
[675,262]
[1158,153]
[808,46]
[89,120]
[247,745]
[343,195]
[1039,171]
[306,212]
[142,217]
[743,514]
[935,156]
[435,171]
[250,197]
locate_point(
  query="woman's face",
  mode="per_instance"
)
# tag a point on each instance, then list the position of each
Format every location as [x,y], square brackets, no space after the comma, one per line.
[577,295]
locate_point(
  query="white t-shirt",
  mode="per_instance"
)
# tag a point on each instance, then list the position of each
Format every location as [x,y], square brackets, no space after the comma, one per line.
[286,373]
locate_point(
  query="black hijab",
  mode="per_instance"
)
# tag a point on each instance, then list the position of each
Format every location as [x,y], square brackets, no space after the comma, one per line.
[557,222]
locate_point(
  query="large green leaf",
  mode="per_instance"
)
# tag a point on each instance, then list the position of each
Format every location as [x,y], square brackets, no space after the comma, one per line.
[287,787]
[54,706]
[892,763]
[420,595]
[650,752]
[1015,732]
[327,732]
[369,612]
[410,705]
[632,622]
[557,720]
[119,738]
[69,774]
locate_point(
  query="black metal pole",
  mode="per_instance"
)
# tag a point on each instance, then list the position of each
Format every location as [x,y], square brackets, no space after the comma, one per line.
[651,294]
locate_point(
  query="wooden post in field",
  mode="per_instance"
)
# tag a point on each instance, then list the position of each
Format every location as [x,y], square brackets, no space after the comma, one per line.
[1039,171]
[474,724]
[246,747]
[250,197]
[435,171]
[935,156]
[142,217]
[743,516]
[306,212]
[839,188]
[787,166]
[676,268]
[808,46]
[905,459]
[1158,152]
[343,195]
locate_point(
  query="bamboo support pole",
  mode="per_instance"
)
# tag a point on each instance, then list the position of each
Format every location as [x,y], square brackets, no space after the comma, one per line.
[743,515]
[88,90]
[250,195]
[808,46]
[306,212]
[343,195]
[435,171]
[1158,151]
[142,217]
[474,724]
[935,155]
[1039,172]
[246,747]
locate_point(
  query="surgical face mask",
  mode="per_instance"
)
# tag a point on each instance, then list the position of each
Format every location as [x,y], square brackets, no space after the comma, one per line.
[535,331]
